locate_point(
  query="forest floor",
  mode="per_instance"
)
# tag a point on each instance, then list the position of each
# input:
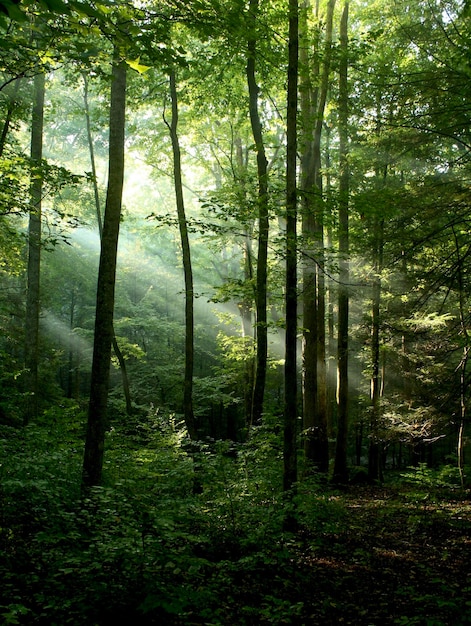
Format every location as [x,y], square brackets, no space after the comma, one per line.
[385,556]
[397,557]
[369,556]
[143,550]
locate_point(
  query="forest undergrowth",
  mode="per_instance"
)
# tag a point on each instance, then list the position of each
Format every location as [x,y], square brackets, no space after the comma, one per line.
[147,548]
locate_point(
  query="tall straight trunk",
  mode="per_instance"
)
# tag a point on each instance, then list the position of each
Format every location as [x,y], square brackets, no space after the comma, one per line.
[314,337]
[374,468]
[97,410]
[246,304]
[321,459]
[70,369]
[247,330]
[331,343]
[464,360]
[340,466]
[187,269]
[290,467]
[308,107]
[463,390]
[34,253]
[116,348]
[376,383]
[263,222]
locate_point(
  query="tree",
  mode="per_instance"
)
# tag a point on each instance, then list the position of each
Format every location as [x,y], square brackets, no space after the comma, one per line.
[11,106]
[314,367]
[291,297]
[34,252]
[263,222]
[97,410]
[340,468]
[96,194]
[187,267]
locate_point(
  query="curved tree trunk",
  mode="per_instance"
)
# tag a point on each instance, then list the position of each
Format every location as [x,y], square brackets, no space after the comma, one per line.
[97,411]
[12,104]
[34,254]
[263,224]
[187,269]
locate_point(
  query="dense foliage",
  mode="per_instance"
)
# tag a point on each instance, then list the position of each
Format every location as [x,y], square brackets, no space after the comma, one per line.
[143,547]
[333,220]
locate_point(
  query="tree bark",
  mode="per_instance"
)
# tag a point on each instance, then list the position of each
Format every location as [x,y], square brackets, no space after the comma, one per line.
[313,103]
[187,268]
[246,304]
[263,224]
[116,348]
[374,468]
[34,253]
[12,104]
[307,183]
[340,466]
[463,363]
[97,411]
[291,299]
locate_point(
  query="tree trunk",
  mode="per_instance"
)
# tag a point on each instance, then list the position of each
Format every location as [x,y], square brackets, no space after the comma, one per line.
[187,269]
[97,412]
[307,184]
[34,254]
[331,294]
[291,300]
[374,467]
[340,466]
[12,104]
[463,363]
[70,368]
[314,337]
[263,223]
[245,306]
[116,348]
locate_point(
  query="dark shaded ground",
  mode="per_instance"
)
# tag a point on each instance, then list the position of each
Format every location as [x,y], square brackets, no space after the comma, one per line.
[364,556]
[399,561]
[393,559]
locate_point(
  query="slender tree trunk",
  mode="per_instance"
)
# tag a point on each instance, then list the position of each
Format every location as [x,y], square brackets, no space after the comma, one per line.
[246,304]
[332,297]
[340,466]
[463,363]
[70,370]
[187,269]
[308,107]
[374,467]
[263,223]
[374,448]
[34,254]
[116,348]
[91,151]
[463,389]
[97,412]
[321,459]
[245,308]
[12,104]
[314,336]
[290,408]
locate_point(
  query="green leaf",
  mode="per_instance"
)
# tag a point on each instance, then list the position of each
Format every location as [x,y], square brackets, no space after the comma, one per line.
[136,65]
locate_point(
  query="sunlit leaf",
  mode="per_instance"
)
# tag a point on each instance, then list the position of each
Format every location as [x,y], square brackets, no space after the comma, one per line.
[136,65]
